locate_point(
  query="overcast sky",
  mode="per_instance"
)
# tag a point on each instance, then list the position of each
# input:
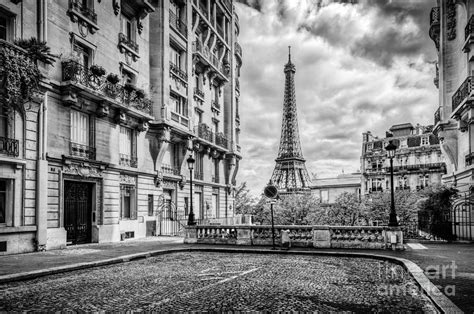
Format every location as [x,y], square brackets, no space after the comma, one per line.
[359,67]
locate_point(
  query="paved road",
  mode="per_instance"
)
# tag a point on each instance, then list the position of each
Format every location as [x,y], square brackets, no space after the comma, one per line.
[223,282]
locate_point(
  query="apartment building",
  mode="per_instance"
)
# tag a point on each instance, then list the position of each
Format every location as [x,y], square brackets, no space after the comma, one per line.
[96,152]
[418,161]
[452,31]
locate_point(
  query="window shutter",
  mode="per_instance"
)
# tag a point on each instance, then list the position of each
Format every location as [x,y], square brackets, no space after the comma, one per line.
[133,204]
[133,143]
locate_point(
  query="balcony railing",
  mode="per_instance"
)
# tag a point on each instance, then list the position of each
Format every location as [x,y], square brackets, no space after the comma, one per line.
[131,98]
[175,70]
[86,11]
[463,92]
[128,42]
[221,140]
[83,151]
[469,159]
[469,30]
[198,175]
[168,169]
[435,25]
[203,131]
[237,84]
[437,116]
[216,105]
[127,160]
[9,146]
[199,93]
[177,24]
[434,16]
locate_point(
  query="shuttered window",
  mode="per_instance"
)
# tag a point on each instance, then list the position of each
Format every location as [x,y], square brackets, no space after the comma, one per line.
[79,128]
[125,146]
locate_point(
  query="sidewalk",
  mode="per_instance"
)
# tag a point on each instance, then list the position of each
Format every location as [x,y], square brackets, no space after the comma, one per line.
[432,259]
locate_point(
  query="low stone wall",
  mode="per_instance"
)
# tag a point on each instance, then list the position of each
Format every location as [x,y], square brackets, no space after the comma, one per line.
[348,237]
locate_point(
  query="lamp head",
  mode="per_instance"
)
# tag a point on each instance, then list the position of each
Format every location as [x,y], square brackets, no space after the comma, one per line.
[190,162]
[390,148]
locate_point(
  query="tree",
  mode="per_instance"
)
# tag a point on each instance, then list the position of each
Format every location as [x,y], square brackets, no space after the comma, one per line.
[297,209]
[244,201]
[406,205]
[347,210]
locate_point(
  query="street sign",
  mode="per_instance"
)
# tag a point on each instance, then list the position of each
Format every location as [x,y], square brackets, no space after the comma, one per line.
[270,191]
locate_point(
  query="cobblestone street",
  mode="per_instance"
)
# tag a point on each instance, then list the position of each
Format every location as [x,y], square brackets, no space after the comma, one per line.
[223,282]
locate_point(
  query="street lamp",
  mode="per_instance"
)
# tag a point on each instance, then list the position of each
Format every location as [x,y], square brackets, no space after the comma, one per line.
[190,161]
[392,222]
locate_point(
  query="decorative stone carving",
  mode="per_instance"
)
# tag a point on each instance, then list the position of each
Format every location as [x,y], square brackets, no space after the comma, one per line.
[143,126]
[82,170]
[158,179]
[69,98]
[121,118]
[103,110]
[127,179]
[116,6]
[182,182]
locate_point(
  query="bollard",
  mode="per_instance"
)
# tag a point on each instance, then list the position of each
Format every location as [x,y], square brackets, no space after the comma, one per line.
[285,239]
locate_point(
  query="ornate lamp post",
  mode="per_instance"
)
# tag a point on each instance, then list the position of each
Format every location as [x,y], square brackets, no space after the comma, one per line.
[190,161]
[392,222]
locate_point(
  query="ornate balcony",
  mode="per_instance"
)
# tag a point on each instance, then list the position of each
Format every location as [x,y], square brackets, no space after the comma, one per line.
[469,34]
[238,50]
[176,117]
[9,146]
[215,105]
[469,159]
[172,170]
[127,160]
[435,26]
[198,93]
[176,71]
[206,60]
[178,25]
[77,78]
[82,151]
[127,45]
[83,14]
[221,140]
[203,131]
[463,94]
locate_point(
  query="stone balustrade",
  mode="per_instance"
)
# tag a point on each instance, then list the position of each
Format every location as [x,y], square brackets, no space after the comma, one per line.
[347,237]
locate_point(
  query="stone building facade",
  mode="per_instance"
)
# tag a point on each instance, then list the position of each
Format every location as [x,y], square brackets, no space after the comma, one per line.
[98,154]
[418,161]
[329,189]
[452,30]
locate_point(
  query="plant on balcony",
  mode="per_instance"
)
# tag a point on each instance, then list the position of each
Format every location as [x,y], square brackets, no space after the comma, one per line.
[19,76]
[97,70]
[139,93]
[37,50]
[113,78]
[129,87]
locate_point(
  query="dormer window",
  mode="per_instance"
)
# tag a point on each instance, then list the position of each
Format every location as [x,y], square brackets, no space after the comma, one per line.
[425,141]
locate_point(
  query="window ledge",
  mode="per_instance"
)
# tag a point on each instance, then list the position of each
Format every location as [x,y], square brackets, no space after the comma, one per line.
[5,230]
[5,159]
[82,20]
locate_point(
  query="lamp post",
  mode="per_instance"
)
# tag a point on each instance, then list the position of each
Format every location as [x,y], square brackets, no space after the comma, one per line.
[190,161]
[392,222]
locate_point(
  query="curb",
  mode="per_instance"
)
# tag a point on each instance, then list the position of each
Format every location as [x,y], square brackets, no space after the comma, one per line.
[441,302]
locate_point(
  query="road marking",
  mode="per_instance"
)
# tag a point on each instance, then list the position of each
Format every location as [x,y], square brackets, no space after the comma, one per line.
[417,246]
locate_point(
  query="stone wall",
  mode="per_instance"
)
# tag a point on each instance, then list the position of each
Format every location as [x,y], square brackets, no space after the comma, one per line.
[347,237]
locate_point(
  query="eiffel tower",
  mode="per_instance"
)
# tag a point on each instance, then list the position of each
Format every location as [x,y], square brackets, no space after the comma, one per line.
[290,175]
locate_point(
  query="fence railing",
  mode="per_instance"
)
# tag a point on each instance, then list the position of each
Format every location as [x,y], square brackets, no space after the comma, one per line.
[463,92]
[170,169]
[123,39]
[362,237]
[83,151]
[178,24]
[9,146]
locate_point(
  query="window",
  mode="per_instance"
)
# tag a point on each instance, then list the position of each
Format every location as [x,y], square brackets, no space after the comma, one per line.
[175,58]
[179,105]
[127,77]
[6,202]
[3,122]
[425,141]
[423,181]
[175,9]
[6,25]
[215,170]
[215,202]
[370,146]
[186,206]
[403,143]
[83,54]
[198,167]
[197,117]
[150,204]
[127,202]
[80,128]
[215,125]
[324,196]
[128,28]
[126,147]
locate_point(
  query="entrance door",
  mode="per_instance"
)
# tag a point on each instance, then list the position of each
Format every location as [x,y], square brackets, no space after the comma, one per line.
[77,212]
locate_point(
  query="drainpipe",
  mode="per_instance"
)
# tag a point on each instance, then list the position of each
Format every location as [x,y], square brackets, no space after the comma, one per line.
[42,164]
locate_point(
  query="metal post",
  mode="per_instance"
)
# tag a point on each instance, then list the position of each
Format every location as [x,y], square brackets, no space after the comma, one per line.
[392,222]
[191,221]
[273,227]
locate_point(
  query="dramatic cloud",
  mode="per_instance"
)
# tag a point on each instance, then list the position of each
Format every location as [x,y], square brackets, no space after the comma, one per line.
[359,67]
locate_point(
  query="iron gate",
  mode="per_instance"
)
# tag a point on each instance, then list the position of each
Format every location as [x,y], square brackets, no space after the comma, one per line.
[461,217]
[77,212]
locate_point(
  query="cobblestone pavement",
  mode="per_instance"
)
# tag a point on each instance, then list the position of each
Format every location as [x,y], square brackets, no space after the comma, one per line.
[223,282]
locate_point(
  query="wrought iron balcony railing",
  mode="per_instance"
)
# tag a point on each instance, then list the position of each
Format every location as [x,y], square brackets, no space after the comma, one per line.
[122,95]
[434,15]
[128,42]
[175,70]
[437,116]
[435,25]
[83,151]
[463,92]
[469,30]
[85,10]
[199,93]
[177,24]
[203,131]
[127,160]
[469,158]
[168,169]
[9,146]
[221,140]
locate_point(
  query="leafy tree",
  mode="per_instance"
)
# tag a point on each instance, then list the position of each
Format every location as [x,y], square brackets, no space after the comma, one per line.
[37,50]
[347,210]
[406,205]
[294,209]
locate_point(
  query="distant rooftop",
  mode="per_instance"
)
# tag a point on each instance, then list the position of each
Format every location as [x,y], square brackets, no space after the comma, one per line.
[401,126]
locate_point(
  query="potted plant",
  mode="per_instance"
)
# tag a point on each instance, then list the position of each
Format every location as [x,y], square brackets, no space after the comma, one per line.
[140,93]
[129,87]
[97,70]
[113,78]
[37,50]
